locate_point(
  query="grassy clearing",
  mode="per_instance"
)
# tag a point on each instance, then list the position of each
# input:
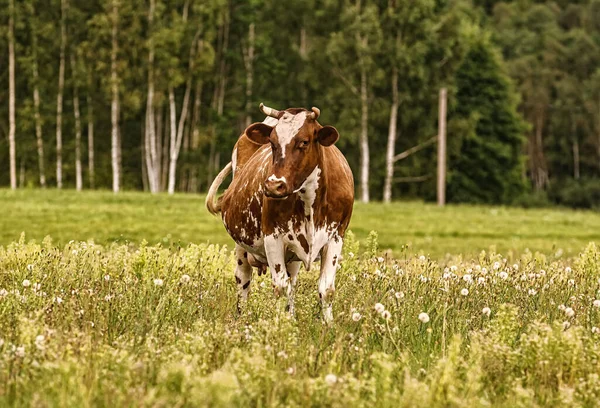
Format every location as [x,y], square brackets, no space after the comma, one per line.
[88,325]
[116,321]
[182,219]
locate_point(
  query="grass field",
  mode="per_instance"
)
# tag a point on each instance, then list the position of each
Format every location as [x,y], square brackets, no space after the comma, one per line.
[425,228]
[120,322]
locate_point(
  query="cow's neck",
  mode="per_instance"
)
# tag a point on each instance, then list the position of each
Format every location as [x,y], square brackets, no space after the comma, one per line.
[310,193]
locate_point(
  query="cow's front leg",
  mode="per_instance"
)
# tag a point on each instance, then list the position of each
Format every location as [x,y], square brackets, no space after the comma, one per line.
[243,275]
[330,260]
[275,252]
[292,271]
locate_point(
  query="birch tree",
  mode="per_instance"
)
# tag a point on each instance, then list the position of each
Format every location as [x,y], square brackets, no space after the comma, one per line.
[77,116]
[59,97]
[114,108]
[11,95]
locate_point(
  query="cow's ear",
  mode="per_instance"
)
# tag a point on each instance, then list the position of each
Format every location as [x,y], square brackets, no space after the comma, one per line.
[327,135]
[259,132]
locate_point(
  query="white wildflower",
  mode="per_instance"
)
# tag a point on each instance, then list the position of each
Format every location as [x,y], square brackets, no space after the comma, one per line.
[484,271]
[468,278]
[516,267]
[481,280]
[532,292]
[386,315]
[596,303]
[379,308]
[356,316]
[107,278]
[503,275]
[291,370]
[486,311]
[331,379]
[380,260]
[108,298]
[595,330]
[26,283]
[454,268]
[58,300]
[562,307]
[158,282]
[30,267]
[424,317]
[568,269]
[569,312]
[350,254]
[3,292]
[20,351]
[566,325]
[399,295]
[496,265]
[185,278]
[422,258]
[571,282]
[464,291]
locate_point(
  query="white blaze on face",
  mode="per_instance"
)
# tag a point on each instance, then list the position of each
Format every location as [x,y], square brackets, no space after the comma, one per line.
[288,127]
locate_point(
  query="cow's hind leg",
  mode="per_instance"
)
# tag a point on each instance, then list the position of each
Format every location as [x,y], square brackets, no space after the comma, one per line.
[292,272]
[243,275]
[330,260]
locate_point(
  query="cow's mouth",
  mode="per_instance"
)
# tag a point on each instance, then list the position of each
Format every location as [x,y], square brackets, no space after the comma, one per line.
[276,195]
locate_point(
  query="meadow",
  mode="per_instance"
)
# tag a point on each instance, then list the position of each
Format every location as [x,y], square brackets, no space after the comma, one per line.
[130,300]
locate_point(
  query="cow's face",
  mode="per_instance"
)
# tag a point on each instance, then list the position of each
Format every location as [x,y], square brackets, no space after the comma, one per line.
[296,143]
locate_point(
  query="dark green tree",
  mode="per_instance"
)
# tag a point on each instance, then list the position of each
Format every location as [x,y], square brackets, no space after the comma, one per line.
[486,165]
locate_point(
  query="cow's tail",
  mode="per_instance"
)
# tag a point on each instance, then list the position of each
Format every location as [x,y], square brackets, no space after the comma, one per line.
[214,205]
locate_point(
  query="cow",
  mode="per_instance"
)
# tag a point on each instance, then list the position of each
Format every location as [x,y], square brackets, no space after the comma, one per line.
[289,203]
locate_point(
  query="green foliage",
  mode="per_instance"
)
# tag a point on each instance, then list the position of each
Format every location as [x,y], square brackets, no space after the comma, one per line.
[87,324]
[487,166]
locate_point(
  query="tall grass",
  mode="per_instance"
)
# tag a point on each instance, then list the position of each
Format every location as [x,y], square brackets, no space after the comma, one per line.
[117,325]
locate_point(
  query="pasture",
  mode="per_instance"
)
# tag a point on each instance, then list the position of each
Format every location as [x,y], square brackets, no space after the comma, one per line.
[131,302]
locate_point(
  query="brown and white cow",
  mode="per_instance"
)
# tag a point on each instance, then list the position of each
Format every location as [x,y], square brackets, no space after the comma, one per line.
[289,203]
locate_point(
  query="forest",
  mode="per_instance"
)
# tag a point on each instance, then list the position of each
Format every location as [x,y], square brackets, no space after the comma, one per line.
[152,94]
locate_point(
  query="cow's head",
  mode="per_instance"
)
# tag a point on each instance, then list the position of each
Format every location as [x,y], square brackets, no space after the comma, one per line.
[297,141]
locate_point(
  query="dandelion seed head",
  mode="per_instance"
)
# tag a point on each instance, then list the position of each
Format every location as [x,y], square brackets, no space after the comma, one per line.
[464,291]
[399,295]
[331,379]
[569,312]
[26,283]
[379,308]
[185,278]
[596,303]
[158,282]
[568,269]
[424,317]
[486,311]
[356,316]
[503,275]
[386,315]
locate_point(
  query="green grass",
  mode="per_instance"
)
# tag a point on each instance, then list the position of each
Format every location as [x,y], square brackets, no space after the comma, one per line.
[425,228]
[96,317]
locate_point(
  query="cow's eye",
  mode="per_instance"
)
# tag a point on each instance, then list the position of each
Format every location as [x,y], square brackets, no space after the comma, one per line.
[303,143]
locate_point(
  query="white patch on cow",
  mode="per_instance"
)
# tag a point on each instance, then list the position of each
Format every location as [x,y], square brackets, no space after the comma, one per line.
[234,161]
[288,127]
[273,178]
[310,186]
[270,121]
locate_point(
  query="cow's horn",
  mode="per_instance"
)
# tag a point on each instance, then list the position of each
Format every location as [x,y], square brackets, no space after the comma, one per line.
[316,112]
[274,113]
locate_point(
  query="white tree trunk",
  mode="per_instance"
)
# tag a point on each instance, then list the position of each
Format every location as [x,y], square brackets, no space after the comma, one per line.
[172,141]
[114,109]
[249,62]
[391,144]
[11,96]
[77,115]
[59,97]
[90,134]
[152,158]
[441,177]
[364,138]
[36,109]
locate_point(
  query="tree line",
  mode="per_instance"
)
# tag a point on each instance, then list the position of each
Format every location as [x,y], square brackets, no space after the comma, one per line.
[152,94]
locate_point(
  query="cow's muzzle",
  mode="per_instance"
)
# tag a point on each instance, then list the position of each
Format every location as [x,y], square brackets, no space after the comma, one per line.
[276,188]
